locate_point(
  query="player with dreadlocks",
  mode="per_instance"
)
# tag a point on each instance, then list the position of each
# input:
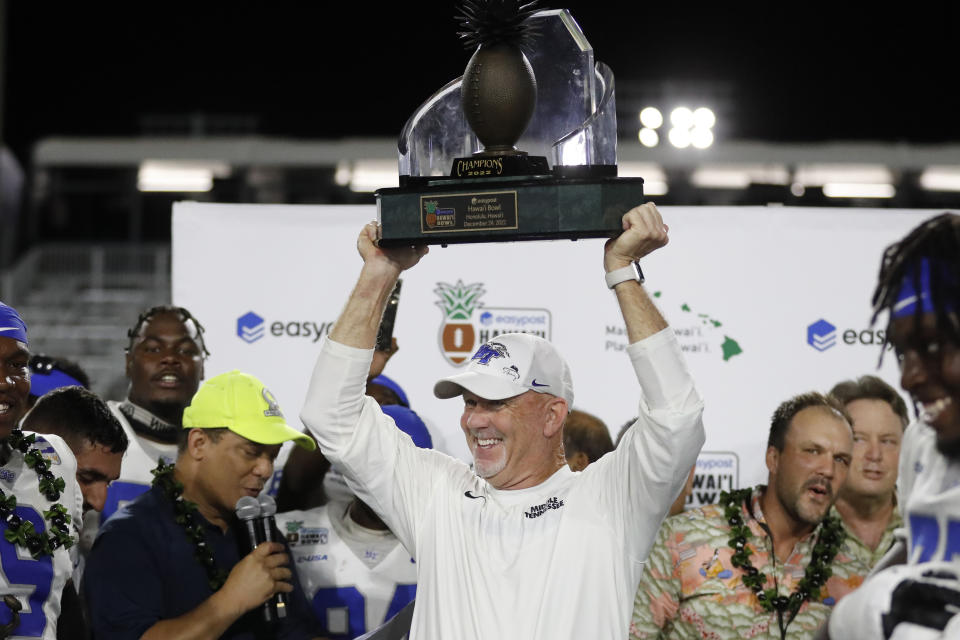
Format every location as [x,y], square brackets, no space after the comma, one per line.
[919,287]
[164,364]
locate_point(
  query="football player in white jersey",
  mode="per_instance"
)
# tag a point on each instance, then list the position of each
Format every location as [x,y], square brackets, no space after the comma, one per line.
[98,443]
[40,506]
[920,288]
[164,364]
[354,571]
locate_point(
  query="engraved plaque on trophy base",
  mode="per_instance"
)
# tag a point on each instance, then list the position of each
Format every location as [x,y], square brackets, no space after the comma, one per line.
[490,209]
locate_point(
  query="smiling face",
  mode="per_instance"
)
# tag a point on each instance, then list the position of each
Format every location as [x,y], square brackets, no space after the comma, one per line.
[930,372]
[165,365]
[514,442]
[14,384]
[229,467]
[807,474]
[877,433]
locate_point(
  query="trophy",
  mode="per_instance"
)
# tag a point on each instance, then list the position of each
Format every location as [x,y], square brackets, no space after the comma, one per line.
[522,147]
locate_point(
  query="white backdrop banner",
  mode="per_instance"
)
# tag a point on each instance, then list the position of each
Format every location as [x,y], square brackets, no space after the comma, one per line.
[767,303]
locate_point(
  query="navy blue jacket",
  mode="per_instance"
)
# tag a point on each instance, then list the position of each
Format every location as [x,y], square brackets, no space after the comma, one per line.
[142,570]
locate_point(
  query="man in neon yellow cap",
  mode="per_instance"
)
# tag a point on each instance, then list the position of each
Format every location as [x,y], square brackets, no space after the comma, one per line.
[168,563]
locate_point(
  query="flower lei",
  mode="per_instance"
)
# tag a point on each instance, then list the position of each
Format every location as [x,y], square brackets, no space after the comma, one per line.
[184,511]
[21,532]
[825,549]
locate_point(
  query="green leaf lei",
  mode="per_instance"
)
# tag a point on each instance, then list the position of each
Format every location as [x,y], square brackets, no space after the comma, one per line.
[184,511]
[825,549]
[21,532]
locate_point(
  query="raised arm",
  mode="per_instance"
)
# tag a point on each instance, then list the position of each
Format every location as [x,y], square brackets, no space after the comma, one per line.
[335,395]
[350,428]
[643,232]
[650,465]
[358,323]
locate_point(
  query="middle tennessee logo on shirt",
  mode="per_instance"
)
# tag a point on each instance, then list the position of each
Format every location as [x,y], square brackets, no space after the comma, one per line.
[540,509]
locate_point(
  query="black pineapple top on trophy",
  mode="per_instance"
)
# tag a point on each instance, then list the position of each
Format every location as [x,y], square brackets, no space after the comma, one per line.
[499,90]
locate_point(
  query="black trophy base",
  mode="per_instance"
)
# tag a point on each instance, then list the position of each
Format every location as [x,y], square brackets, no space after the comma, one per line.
[447,210]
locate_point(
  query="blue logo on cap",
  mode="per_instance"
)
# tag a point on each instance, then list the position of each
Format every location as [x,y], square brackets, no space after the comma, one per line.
[490,350]
[821,335]
[250,327]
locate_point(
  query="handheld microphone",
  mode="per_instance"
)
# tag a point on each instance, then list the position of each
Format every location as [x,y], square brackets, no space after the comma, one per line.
[248,511]
[268,508]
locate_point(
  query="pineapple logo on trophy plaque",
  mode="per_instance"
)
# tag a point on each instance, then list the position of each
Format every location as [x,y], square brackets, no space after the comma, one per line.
[522,147]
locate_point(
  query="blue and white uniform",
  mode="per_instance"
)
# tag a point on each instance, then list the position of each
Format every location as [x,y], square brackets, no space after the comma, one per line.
[38,584]
[930,490]
[138,462]
[355,578]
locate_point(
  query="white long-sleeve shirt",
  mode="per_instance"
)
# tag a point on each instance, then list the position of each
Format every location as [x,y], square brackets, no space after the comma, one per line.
[559,560]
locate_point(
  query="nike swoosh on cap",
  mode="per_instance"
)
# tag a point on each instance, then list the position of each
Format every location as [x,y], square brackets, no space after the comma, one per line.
[9,328]
[534,383]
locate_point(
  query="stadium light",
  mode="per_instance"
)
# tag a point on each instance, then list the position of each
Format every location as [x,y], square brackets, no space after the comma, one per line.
[679,137]
[739,176]
[854,190]
[370,175]
[651,118]
[940,178]
[181,176]
[818,175]
[704,118]
[654,178]
[692,127]
[701,137]
[648,137]
[681,118]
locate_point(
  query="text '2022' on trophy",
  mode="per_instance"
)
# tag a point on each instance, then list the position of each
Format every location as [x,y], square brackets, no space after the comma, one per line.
[522,147]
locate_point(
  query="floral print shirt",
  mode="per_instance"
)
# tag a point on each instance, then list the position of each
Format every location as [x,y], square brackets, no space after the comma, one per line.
[691,589]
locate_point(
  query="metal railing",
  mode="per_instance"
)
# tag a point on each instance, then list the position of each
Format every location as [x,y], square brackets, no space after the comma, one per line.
[79,300]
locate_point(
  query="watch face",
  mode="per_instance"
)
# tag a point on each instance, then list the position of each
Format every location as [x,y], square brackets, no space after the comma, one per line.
[636,265]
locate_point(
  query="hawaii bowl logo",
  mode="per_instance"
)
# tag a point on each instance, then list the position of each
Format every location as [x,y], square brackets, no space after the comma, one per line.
[463,331]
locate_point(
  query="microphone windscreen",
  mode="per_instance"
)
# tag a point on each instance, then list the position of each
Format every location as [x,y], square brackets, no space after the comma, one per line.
[248,508]
[268,506]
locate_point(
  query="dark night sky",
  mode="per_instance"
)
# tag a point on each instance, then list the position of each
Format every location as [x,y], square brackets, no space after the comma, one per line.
[795,71]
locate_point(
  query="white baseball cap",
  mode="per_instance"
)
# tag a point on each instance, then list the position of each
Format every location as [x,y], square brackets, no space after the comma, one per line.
[508,365]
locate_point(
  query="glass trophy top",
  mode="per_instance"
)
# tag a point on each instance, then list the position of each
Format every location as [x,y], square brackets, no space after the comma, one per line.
[574,122]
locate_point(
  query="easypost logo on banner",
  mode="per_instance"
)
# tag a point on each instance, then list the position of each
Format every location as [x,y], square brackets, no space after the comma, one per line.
[468,323]
[716,471]
[823,335]
[251,327]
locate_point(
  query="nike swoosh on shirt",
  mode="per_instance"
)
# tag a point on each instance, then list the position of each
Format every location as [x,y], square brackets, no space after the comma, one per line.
[534,383]
[469,495]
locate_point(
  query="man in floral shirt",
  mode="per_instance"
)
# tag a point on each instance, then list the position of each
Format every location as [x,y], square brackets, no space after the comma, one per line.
[764,563]
[868,499]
